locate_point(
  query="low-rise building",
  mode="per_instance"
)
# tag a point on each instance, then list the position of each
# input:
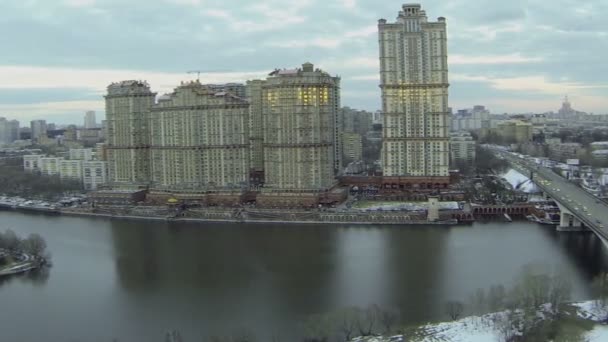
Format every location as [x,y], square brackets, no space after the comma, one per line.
[564,151]
[81,154]
[70,169]
[50,166]
[95,173]
[32,162]
[600,155]
[462,148]
[599,145]
[515,131]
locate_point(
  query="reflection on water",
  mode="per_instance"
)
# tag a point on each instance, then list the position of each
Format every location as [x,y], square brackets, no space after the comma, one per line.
[140,279]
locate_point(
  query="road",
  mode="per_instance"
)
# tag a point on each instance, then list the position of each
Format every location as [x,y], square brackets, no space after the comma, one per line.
[586,207]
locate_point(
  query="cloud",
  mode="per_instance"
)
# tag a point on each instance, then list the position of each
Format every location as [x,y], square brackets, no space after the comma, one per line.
[490,59]
[185,2]
[350,4]
[79,3]
[534,84]
[327,43]
[24,77]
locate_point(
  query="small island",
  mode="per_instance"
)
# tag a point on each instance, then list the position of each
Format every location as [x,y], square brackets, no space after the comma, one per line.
[19,255]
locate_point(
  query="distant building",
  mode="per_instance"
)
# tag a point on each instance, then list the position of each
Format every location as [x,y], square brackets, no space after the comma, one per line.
[89,120]
[101,153]
[471,119]
[356,121]
[515,131]
[414,85]
[462,148]
[38,129]
[600,154]
[70,169]
[564,151]
[49,166]
[94,174]
[352,146]
[599,145]
[31,162]
[81,154]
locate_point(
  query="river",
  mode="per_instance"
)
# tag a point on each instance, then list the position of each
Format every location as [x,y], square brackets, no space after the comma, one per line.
[135,280]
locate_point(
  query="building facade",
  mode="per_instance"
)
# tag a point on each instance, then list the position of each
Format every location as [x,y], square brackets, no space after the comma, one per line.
[38,129]
[256,125]
[94,174]
[81,153]
[199,140]
[128,105]
[414,84]
[301,132]
[515,131]
[89,120]
[462,148]
[70,169]
[49,166]
[31,162]
[352,147]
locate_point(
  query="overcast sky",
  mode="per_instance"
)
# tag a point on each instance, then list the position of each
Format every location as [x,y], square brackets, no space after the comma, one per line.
[512,56]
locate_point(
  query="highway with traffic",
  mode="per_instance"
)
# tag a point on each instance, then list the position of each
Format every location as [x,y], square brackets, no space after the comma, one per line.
[587,208]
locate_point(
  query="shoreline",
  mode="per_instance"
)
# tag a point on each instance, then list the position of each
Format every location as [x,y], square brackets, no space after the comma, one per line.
[191,219]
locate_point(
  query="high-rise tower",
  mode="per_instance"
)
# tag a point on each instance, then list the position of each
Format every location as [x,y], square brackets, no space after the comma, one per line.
[128,105]
[414,83]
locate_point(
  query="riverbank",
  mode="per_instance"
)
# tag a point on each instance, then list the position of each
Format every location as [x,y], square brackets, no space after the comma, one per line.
[580,321]
[229,216]
[25,263]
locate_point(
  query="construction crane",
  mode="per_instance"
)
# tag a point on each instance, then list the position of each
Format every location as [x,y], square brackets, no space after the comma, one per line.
[199,72]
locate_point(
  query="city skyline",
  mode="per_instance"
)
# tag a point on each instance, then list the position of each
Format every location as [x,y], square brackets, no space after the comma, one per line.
[494,58]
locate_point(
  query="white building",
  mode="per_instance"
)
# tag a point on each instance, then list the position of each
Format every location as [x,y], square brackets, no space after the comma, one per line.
[81,153]
[70,169]
[32,162]
[414,83]
[89,120]
[462,148]
[49,165]
[95,173]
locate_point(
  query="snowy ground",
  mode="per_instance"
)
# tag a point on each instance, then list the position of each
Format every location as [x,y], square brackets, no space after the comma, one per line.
[481,328]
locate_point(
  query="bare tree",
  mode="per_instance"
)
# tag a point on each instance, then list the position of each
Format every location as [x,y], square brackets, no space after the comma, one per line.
[478,302]
[454,309]
[34,245]
[388,318]
[600,287]
[559,293]
[11,241]
[317,329]
[367,319]
[347,321]
[497,297]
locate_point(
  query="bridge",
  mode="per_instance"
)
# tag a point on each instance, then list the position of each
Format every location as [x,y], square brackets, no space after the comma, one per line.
[579,209]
